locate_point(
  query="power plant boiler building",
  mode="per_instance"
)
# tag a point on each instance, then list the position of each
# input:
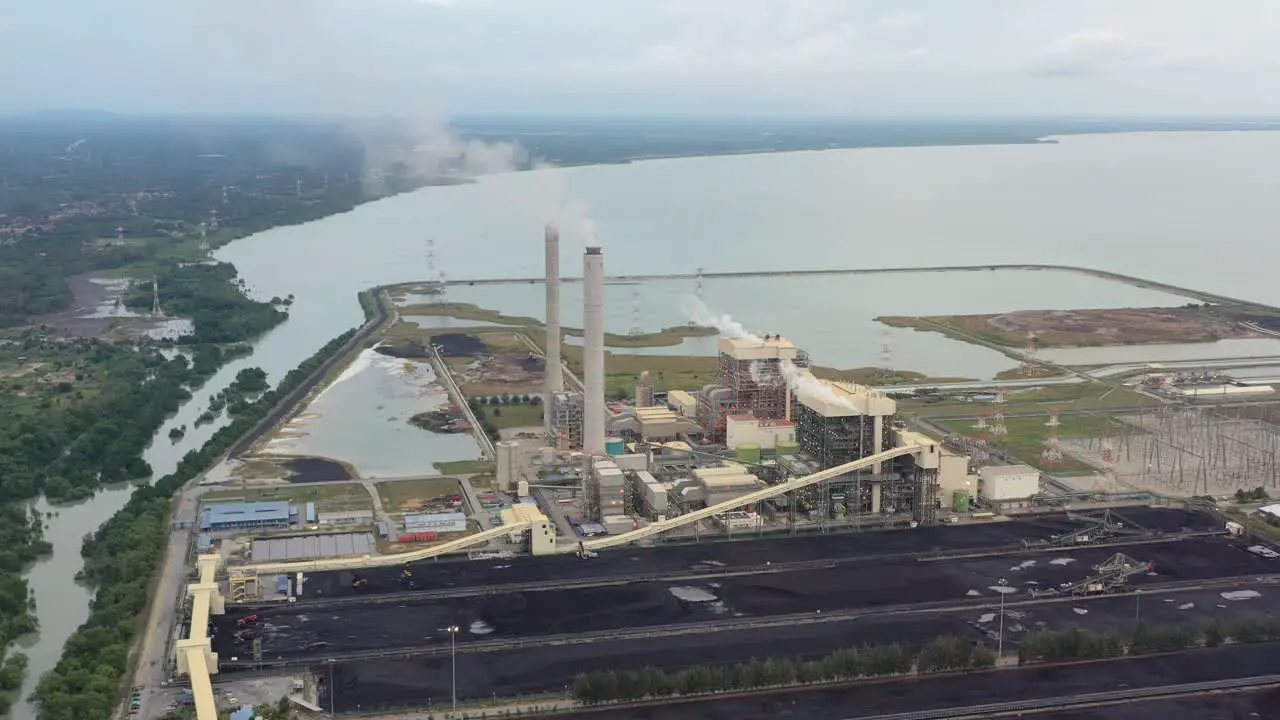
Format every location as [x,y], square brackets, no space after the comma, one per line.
[839,422]
[751,382]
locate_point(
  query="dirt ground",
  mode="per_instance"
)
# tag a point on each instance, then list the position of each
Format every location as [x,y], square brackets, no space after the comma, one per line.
[1087,328]
[94,312]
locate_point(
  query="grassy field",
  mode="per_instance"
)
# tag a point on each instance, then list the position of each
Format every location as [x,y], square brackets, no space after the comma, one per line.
[1026,438]
[513,415]
[465,467]
[327,496]
[663,338]
[1034,371]
[412,493]
[877,376]
[467,311]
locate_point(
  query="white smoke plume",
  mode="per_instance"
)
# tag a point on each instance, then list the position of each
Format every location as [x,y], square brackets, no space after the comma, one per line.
[801,382]
[353,63]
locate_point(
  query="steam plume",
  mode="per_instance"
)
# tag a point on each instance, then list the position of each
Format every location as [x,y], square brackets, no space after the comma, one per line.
[801,382]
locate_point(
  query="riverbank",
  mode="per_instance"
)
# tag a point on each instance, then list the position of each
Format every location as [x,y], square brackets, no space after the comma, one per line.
[136,537]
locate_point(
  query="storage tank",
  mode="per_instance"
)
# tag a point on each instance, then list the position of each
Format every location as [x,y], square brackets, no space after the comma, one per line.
[748,453]
[547,455]
[788,447]
[960,501]
[508,453]
[615,446]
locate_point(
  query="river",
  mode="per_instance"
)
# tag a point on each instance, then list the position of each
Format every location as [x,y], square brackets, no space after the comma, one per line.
[1192,209]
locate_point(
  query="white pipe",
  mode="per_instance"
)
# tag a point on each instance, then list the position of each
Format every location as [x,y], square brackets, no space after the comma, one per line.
[554,380]
[593,352]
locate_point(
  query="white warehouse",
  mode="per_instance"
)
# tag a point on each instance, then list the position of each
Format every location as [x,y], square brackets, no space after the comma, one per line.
[1008,484]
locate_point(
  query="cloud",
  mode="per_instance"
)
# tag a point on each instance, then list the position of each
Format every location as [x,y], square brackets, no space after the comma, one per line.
[755,36]
[1090,53]
[900,20]
[1110,52]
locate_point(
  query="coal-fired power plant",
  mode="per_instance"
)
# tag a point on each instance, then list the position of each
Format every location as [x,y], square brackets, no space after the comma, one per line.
[554,377]
[593,352]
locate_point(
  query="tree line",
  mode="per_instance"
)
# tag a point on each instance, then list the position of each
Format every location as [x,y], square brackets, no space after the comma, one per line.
[943,654]
[1081,644]
[120,559]
[213,298]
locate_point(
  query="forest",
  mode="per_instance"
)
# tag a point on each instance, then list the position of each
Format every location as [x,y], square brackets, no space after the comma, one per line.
[213,298]
[120,559]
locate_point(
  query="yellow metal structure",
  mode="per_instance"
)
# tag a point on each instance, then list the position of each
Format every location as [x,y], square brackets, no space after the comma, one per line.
[195,653]
[517,519]
[750,498]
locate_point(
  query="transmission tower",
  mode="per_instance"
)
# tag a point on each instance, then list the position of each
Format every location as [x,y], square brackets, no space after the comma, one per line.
[697,291]
[119,234]
[213,219]
[155,297]
[998,428]
[886,352]
[1029,355]
[1052,454]
[636,330]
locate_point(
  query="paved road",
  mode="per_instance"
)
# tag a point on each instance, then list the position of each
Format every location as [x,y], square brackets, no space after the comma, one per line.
[1087,375]
[152,668]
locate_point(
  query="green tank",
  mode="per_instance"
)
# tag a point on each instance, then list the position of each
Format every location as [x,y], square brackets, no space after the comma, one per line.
[788,447]
[748,453]
[960,501]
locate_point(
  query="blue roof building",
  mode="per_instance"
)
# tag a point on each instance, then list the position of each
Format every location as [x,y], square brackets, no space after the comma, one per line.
[233,516]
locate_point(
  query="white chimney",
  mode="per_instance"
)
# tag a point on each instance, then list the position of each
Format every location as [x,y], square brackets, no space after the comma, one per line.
[554,377]
[593,352]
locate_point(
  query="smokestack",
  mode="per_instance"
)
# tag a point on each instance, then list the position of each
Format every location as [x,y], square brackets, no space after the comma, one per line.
[593,352]
[554,377]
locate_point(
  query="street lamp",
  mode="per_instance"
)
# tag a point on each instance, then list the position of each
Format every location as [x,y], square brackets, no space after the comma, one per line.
[453,660]
[1137,608]
[1000,641]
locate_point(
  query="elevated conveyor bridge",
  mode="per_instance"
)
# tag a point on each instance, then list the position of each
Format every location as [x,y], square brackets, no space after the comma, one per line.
[662,526]
[366,561]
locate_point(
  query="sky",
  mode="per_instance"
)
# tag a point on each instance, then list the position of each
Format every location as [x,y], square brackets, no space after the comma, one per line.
[714,57]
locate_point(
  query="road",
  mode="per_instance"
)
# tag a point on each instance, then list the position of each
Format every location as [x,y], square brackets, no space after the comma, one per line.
[169,591]
[1104,274]
[1109,371]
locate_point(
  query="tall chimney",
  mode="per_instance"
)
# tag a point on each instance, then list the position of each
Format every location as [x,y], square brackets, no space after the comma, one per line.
[593,352]
[554,377]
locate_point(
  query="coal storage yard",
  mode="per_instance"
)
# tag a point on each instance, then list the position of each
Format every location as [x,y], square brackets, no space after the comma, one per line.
[393,650]
[438,575]
[295,631]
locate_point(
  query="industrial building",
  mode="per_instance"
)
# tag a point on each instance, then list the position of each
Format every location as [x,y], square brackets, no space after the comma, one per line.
[683,403]
[440,523]
[239,516]
[346,517]
[843,422]
[751,381]
[751,431]
[312,546]
[1008,486]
